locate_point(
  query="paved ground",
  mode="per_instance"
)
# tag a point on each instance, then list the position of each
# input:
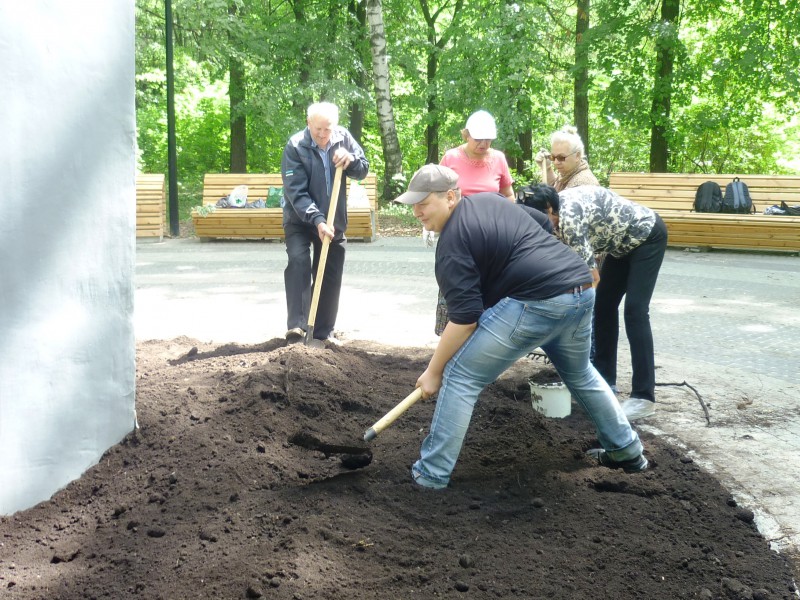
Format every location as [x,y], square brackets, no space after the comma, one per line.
[727,323]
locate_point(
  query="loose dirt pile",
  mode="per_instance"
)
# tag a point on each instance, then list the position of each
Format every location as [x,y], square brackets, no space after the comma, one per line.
[209,499]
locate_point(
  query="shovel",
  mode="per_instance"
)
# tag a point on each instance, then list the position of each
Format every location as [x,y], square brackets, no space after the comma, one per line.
[392,415]
[544,171]
[323,258]
[353,457]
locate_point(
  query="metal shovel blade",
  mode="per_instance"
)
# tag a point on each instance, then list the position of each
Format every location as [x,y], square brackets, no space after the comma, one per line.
[353,457]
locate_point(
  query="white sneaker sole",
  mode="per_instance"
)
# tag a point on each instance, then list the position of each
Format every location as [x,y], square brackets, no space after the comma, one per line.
[638,408]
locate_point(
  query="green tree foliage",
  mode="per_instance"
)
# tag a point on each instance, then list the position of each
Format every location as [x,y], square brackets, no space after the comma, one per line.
[732,92]
[733,61]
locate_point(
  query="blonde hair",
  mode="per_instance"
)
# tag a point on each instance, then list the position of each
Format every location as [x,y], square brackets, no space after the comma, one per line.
[568,134]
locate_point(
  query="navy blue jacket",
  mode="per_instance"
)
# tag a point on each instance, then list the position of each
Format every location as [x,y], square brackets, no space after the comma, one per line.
[305,190]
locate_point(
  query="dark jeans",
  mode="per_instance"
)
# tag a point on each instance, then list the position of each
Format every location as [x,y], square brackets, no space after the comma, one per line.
[633,276]
[598,259]
[301,273]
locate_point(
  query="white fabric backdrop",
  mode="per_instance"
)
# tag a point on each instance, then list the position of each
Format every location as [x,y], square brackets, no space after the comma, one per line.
[67,240]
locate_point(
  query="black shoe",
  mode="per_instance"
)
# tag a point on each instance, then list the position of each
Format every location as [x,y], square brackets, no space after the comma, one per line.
[634,465]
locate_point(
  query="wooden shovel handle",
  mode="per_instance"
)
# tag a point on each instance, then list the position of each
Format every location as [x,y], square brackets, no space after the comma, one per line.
[392,415]
[323,257]
[544,171]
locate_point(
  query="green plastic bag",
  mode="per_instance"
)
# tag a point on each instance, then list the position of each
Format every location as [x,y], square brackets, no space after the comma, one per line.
[274,197]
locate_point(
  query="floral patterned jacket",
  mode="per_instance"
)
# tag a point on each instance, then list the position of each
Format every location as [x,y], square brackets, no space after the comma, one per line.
[594,220]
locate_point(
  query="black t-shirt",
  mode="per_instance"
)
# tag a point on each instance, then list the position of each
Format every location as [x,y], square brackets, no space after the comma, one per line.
[491,249]
[538,216]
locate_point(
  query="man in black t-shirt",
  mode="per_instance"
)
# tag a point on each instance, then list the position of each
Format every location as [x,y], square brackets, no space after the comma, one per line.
[510,287]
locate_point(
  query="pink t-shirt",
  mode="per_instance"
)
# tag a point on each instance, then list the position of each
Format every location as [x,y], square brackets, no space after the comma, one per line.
[489,175]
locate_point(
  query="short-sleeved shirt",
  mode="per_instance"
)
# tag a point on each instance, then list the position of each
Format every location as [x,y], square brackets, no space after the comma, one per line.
[594,220]
[491,249]
[488,175]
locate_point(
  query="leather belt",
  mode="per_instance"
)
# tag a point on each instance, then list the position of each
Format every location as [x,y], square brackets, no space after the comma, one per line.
[578,288]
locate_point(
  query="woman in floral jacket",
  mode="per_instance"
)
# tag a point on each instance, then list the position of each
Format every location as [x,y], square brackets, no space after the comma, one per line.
[594,220]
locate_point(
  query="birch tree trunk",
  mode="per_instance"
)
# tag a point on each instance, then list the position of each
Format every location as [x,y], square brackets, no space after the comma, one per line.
[392,155]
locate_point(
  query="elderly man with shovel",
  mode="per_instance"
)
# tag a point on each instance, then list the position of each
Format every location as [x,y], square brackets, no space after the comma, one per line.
[310,191]
[511,287]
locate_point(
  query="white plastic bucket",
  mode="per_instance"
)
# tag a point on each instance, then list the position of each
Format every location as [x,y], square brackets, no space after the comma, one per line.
[551,399]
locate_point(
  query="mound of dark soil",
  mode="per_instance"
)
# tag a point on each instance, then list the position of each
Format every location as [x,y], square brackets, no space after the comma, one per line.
[211,499]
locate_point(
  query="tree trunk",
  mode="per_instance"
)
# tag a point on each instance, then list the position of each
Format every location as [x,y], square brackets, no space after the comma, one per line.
[524,161]
[525,139]
[303,98]
[356,128]
[581,84]
[435,47]
[237,96]
[432,128]
[392,155]
[662,86]
[359,12]
[520,160]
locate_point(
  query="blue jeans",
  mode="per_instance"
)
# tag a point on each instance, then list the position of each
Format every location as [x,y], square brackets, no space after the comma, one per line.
[561,326]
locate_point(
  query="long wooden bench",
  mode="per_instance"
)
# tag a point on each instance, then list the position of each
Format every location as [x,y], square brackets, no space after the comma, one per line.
[672,196]
[151,206]
[267,223]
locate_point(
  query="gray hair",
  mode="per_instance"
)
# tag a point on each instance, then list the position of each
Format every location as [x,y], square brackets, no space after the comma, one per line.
[568,134]
[455,190]
[327,110]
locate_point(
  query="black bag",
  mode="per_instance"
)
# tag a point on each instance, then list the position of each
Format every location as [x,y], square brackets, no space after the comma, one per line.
[708,197]
[790,210]
[737,198]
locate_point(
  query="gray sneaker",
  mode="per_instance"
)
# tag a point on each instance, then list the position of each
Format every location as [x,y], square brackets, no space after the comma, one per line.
[634,465]
[638,408]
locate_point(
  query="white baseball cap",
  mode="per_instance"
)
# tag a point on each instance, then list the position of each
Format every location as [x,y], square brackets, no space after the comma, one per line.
[481,126]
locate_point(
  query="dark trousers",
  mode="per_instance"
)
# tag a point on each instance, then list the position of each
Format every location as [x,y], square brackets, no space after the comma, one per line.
[301,273]
[633,276]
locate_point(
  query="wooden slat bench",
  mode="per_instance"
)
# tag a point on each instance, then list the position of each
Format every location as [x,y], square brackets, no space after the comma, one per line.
[672,196]
[266,223]
[151,206]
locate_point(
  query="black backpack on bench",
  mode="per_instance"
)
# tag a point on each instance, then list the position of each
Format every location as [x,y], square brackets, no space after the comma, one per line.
[737,198]
[708,198]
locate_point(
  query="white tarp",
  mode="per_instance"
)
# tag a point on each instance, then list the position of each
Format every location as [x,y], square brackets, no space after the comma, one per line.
[67,241]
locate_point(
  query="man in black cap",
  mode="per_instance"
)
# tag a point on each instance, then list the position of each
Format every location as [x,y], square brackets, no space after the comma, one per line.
[510,287]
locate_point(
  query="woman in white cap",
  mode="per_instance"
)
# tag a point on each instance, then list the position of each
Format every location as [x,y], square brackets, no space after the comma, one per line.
[480,167]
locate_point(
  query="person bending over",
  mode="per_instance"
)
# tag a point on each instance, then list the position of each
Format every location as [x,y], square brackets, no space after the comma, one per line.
[510,287]
[594,220]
